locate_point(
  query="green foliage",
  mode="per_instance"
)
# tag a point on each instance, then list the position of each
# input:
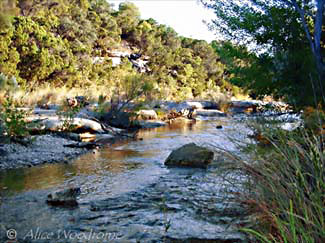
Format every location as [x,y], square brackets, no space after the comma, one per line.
[284,66]
[55,43]
[13,120]
[129,86]
[7,84]
[128,18]
[66,114]
[8,9]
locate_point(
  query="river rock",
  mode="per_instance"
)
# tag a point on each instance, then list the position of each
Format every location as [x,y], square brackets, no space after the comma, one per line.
[210,113]
[202,104]
[257,106]
[245,106]
[147,115]
[169,105]
[151,124]
[2,151]
[66,197]
[118,119]
[190,155]
[45,112]
[246,103]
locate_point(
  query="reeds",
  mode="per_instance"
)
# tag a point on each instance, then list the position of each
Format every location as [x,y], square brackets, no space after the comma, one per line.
[288,182]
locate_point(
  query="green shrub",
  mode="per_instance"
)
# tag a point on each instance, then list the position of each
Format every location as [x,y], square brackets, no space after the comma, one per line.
[66,114]
[13,120]
[161,113]
[7,84]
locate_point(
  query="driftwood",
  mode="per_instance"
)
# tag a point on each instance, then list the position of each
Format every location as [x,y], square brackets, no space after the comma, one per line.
[86,145]
[55,124]
[83,129]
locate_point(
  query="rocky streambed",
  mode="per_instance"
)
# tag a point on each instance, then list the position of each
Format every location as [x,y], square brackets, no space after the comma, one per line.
[62,147]
[127,194]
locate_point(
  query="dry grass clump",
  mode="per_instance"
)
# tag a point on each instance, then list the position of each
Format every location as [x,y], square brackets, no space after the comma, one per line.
[46,94]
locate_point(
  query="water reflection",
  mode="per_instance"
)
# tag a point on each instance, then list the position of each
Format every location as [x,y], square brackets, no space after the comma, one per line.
[39,177]
[150,148]
[47,176]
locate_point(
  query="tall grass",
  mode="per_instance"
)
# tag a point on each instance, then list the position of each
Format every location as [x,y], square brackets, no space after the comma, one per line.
[47,94]
[288,182]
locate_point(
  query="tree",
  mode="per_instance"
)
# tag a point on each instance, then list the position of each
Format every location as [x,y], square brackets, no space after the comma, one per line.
[287,31]
[8,8]
[58,42]
[128,18]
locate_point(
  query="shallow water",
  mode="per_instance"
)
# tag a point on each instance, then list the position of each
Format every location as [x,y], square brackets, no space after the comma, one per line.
[128,195]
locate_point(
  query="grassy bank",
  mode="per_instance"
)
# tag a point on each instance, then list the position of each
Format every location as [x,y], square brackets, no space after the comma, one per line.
[288,186]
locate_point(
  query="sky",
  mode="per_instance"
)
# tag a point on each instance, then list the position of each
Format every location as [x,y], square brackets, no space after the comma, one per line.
[184,16]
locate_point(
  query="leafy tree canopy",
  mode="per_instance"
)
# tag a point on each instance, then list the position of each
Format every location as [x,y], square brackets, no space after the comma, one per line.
[289,34]
[56,42]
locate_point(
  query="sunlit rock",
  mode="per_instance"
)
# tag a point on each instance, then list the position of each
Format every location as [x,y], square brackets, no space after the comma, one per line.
[147,115]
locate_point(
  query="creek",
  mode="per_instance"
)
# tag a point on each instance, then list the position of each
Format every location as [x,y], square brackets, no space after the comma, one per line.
[128,195]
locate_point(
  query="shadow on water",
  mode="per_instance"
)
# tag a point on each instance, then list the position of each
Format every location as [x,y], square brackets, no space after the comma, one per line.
[128,192]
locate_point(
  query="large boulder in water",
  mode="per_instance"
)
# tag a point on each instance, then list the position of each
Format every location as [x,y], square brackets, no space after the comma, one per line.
[190,155]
